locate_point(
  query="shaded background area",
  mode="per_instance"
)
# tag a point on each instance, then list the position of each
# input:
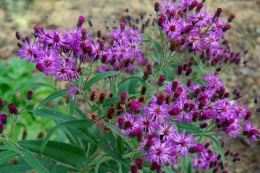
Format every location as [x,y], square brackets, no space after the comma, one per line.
[22,15]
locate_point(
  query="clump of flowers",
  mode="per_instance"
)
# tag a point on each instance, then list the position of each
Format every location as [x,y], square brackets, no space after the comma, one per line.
[164,105]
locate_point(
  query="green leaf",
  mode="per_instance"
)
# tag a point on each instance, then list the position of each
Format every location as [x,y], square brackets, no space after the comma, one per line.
[53,96]
[157,45]
[5,156]
[100,77]
[189,128]
[71,123]
[132,86]
[79,112]
[53,114]
[168,169]
[102,159]
[113,128]
[135,77]
[59,151]
[218,146]
[12,147]
[31,160]
[72,104]
[113,87]
[107,144]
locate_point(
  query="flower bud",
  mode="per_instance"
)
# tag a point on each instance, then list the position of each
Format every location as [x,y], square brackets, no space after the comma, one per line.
[156,6]
[226,27]
[189,82]
[174,85]
[231,17]
[29,95]
[149,69]
[139,162]
[256,100]
[103,59]
[143,90]
[123,97]
[153,165]
[84,33]
[134,169]
[199,7]
[135,105]
[160,99]
[121,122]
[99,34]
[3,118]
[90,23]
[161,80]
[18,35]
[81,20]
[102,98]
[40,67]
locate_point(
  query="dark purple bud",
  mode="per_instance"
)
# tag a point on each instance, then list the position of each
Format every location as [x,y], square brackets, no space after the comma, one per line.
[227,152]
[156,6]
[195,116]
[99,34]
[218,12]
[81,20]
[189,82]
[188,72]
[123,97]
[153,166]
[174,85]
[160,99]
[134,169]
[3,118]
[37,28]
[158,168]
[203,125]
[216,169]
[127,125]
[191,63]
[103,59]
[121,122]
[199,7]
[186,107]
[231,17]
[207,145]
[84,33]
[112,60]
[180,68]
[161,80]
[20,44]
[161,19]
[175,111]
[29,95]
[226,27]
[138,133]
[18,35]
[135,105]
[226,95]
[248,115]
[193,5]
[40,67]
[178,92]
[139,162]
[185,66]
[149,69]
[256,100]
[189,28]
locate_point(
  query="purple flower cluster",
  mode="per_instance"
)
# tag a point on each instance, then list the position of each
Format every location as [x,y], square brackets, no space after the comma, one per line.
[60,55]
[207,107]
[190,26]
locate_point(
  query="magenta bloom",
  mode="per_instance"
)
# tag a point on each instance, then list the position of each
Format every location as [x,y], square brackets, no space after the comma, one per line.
[29,51]
[183,143]
[200,162]
[158,113]
[167,131]
[173,28]
[159,152]
[55,39]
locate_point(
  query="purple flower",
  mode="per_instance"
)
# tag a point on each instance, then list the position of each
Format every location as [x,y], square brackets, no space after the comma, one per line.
[167,131]
[200,162]
[201,19]
[158,113]
[55,39]
[173,28]
[183,143]
[50,60]
[144,122]
[29,51]
[159,152]
[213,82]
